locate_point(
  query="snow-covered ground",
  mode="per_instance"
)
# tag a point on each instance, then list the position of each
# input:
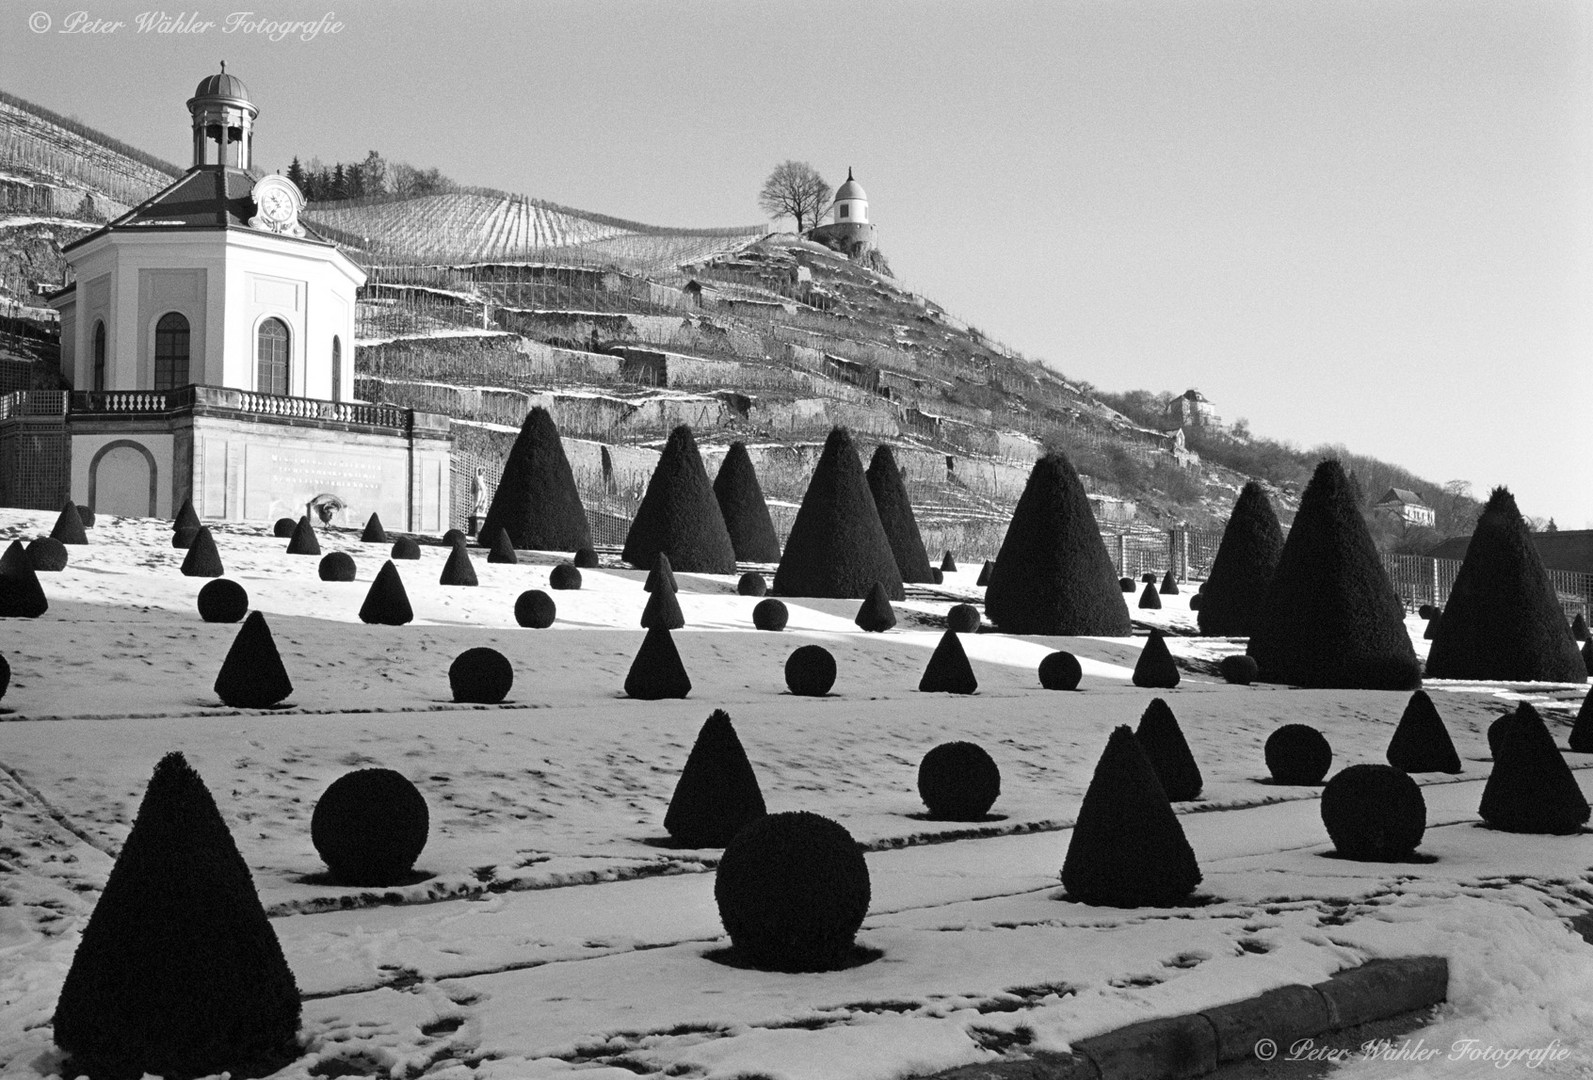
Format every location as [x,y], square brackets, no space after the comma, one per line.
[554,934]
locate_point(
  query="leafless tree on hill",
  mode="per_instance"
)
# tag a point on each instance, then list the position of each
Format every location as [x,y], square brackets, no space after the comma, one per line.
[795,189]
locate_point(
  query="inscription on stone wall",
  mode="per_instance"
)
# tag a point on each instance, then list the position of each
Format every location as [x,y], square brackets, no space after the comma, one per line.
[279,481]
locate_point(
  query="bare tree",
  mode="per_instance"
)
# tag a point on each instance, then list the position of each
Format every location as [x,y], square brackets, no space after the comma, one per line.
[795,189]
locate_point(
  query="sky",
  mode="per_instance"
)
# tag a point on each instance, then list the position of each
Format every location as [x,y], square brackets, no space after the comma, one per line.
[1358,222]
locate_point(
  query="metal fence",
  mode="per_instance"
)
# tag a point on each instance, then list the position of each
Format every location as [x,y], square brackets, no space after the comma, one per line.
[1421,580]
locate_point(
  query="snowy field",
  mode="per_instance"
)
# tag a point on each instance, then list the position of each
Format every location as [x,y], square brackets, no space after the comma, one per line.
[552,933]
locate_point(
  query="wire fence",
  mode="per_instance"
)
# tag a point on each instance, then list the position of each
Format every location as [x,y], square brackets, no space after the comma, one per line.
[1420,580]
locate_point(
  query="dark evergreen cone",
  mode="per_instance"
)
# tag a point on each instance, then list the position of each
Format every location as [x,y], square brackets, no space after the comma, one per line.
[387,601]
[895,511]
[810,671]
[21,595]
[679,515]
[69,527]
[85,515]
[1587,657]
[1331,618]
[283,528]
[502,551]
[252,675]
[1053,575]
[1421,743]
[717,794]
[1238,669]
[1531,789]
[1169,585]
[1155,669]
[406,547]
[958,781]
[1432,626]
[186,517]
[751,584]
[1127,584]
[303,541]
[369,826]
[203,558]
[948,565]
[480,676]
[769,614]
[657,671]
[1060,671]
[1503,619]
[183,537]
[963,618]
[536,500]
[792,891]
[1247,557]
[336,566]
[984,573]
[875,614]
[745,513]
[661,571]
[374,533]
[585,558]
[662,611]
[948,670]
[458,570]
[535,609]
[47,555]
[1150,598]
[179,972]
[837,547]
[1579,627]
[1581,740]
[1163,742]
[223,601]
[1128,849]
[1374,813]
[1298,754]
[564,576]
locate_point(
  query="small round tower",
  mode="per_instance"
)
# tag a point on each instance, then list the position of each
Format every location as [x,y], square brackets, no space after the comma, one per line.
[849,229]
[223,121]
[851,202]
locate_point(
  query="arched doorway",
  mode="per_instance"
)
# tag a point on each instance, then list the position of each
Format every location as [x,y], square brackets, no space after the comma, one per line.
[122,478]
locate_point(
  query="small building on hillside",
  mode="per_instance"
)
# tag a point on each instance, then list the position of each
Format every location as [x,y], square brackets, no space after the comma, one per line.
[1406,506]
[849,229]
[1191,409]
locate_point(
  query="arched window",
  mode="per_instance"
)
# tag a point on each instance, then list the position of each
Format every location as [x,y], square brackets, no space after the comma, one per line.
[337,368]
[99,354]
[272,354]
[171,352]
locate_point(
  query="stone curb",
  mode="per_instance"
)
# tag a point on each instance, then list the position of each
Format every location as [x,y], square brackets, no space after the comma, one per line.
[1179,1047]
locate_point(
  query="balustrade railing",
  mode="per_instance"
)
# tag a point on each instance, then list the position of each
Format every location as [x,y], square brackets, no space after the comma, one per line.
[123,402]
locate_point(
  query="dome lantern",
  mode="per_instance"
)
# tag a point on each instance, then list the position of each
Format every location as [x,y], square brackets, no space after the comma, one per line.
[223,120]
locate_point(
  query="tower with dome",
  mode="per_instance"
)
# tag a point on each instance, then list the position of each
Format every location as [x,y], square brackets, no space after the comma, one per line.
[849,229]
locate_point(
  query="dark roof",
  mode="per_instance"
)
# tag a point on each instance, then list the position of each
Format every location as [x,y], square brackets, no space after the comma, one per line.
[1393,494]
[222,85]
[1568,549]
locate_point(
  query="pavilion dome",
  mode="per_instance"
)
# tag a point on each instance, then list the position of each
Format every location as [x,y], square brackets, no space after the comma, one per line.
[851,189]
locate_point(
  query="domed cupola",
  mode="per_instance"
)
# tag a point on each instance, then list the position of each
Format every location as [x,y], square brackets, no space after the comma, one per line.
[223,118]
[851,203]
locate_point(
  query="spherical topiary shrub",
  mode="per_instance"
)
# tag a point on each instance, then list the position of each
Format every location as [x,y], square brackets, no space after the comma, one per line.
[792,890]
[222,600]
[564,576]
[5,676]
[337,566]
[1298,754]
[1374,813]
[481,675]
[963,619]
[769,614]
[406,547]
[369,827]
[1060,671]
[1427,611]
[586,559]
[284,528]
[1148,577]
[1194,602]
[958,781]
[937,575]
[47,554]
[1238,669]
[535,609]
[1127,584]
[455,536]
[810,671]
[752,584]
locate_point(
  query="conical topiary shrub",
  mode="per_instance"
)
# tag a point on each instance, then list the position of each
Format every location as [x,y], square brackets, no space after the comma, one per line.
[1163,742]
[47,555]
[1150,599]
[1523,718]
[1053,575]
[948,565]
[1503,619]
[657,672]
[958,781]
[1531,789]
[948,670]
[1247,557]
[662,611]
[1433,624]
[21,595]
[374,533]
[837,546]
[1421,743]
[68,526]
[1579,627]
[661,572]
[223,601]
[183,537]
[679,515]
[1155,669]
[984,573]
[405,547]
[501,549]
[792,891]
[186,517]
[480,676]
[1331,618]
[369,826]
[743,508]
[895,511]
[751,584]
[1238,669]
[564,577]
[179,972]
[387,601]
[535,609]
[875,615]
[717,794]
[1587,656]
[1128,849]
[1169,585]
[769,614]
[458,570]
[810,671]
[1581,740]
[1060,671]
[1298,754]
[252,676]
[536,501]
[1374,813]
[203,559]
[303,541]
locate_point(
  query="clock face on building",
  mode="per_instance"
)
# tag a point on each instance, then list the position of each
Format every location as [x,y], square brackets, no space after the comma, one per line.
[277,204]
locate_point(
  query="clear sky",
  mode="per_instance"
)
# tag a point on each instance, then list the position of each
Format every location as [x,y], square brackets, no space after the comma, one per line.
[1366,222]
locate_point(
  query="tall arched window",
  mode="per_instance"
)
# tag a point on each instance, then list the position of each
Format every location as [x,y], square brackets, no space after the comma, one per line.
[171,352]
[337,368]
[272,353]
[99,355]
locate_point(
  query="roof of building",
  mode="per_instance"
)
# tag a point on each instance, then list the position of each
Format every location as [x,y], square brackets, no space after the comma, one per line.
[851,189]
[1400,495]
[223,86]
[1568,549]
